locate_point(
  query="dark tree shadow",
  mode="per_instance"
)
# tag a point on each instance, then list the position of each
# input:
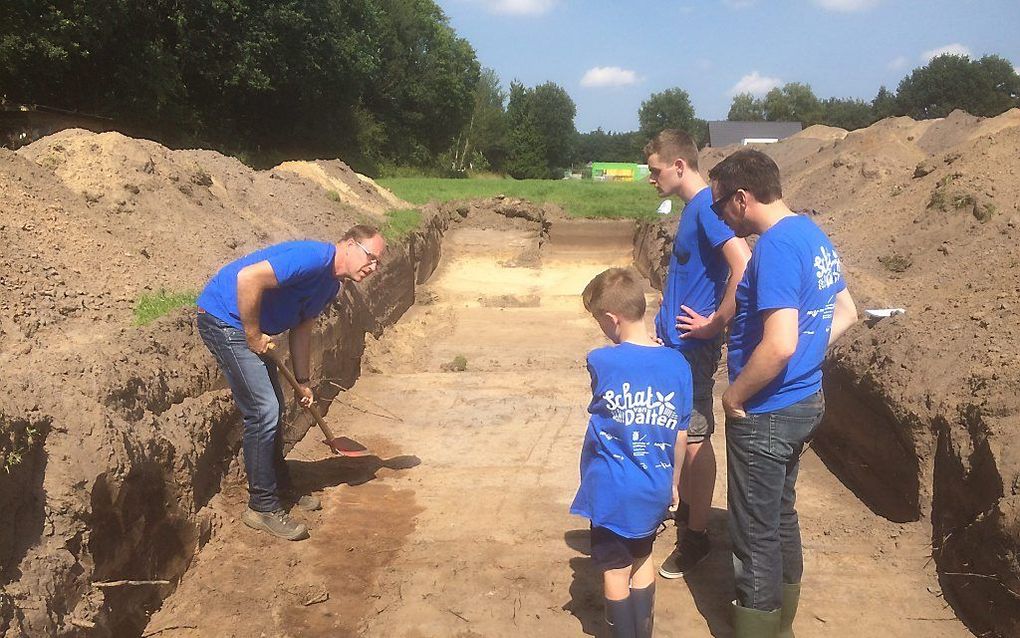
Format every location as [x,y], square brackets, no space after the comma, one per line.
[311,476]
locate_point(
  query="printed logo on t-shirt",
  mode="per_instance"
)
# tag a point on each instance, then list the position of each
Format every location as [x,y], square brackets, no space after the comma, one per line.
[644,407]
[827,268]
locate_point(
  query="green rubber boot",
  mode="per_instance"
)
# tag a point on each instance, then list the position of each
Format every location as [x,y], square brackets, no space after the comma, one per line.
[791,598]
[753,623]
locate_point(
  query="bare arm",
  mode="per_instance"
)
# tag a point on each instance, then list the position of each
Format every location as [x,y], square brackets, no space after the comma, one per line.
[252,282]
[693,325]
[737,255]
[300,339]
[778,343]
[844,316]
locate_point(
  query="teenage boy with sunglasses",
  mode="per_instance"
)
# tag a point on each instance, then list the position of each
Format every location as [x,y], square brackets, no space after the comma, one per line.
[792,303]
[280,288]
[705,265]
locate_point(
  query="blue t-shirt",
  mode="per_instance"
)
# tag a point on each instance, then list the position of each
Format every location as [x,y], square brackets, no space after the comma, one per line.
[697,269]
[793,265]
[641,398]
[304,271]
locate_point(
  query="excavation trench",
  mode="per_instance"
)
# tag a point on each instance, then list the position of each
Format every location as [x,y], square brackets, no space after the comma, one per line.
[461,365]
[474,404]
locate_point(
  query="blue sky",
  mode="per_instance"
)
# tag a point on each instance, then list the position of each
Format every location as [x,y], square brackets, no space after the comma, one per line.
[611,55]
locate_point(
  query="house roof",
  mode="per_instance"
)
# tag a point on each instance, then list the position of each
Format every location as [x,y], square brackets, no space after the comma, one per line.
[725,133]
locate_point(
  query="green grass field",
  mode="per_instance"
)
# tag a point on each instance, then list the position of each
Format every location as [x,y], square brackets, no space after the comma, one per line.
[635,200]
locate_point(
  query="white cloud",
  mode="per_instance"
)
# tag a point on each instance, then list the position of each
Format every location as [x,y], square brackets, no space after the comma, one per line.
[1016,70]
[755,84]
[952,49]
[608,76]
[899,63]
[846,6]
[520,7]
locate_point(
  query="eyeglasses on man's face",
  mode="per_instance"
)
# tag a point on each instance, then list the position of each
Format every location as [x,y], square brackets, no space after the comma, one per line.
[372,257]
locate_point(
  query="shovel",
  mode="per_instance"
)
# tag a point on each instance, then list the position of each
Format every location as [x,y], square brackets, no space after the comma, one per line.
[341,445]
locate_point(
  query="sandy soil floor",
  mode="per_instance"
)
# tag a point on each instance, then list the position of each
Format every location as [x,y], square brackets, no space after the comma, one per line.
[459,527]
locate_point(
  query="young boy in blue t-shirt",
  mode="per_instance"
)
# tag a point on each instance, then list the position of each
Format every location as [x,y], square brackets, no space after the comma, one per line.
[633,449]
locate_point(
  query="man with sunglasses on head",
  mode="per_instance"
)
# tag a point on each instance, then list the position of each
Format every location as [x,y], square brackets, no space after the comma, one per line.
[792,303]
[281,288]
[706,263]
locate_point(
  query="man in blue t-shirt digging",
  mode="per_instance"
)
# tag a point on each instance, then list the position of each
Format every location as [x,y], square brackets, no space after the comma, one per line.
[705,265]
[280,288]
[792,303]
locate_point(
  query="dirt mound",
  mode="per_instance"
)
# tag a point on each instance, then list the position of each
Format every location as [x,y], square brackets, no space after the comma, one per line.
[340,182]
[820,132]
[923,415]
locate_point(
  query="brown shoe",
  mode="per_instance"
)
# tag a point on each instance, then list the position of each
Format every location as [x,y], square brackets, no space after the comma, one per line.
[277,523]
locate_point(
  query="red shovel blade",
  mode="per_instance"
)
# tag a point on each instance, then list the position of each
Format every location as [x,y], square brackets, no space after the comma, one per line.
[346,447]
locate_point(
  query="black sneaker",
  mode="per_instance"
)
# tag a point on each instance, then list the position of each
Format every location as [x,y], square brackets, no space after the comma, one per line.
[691,550]
[277,523]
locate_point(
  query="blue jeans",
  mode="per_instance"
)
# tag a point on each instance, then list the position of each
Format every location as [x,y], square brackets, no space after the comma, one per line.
[763,458]
[259,397]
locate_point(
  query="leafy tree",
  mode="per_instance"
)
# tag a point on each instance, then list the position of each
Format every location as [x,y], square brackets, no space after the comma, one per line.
[884,105]
[746,108]
[600,146]
[553,111]
[486,132]
[527,157]
[671,109]
[846,113]
[425,97]
[794,102]
[362,79]
[540,120]
[985,87]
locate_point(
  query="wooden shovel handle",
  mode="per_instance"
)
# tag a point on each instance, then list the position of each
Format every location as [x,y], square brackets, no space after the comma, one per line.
[285,371]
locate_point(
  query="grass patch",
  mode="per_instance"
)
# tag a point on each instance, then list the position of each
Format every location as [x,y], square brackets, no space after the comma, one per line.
[458,364]
[333,196]
[400,223]
[579,198]
[16,440]
[152,307]
[895,262]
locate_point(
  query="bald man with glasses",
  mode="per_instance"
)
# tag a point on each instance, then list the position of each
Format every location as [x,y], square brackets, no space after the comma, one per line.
[281,288]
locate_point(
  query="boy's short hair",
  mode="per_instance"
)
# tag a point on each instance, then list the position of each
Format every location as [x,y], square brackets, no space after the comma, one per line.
[751,170]
[619,291]
[672,144]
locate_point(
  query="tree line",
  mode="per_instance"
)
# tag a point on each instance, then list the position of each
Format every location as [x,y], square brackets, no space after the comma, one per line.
[373,81]
[382,84]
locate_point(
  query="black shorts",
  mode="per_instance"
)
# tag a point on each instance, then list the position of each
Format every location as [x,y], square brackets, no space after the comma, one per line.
[609,550]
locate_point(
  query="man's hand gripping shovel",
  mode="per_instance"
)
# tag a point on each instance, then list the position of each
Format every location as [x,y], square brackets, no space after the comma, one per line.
[341,445]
